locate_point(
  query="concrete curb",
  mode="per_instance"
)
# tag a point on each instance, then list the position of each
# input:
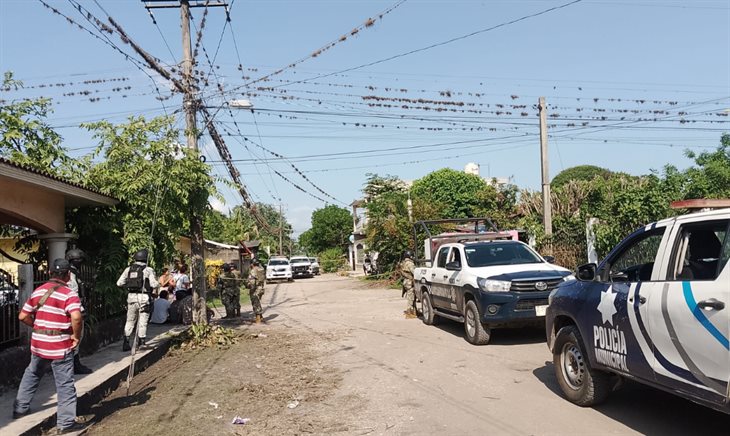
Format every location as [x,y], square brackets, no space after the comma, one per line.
[102,390]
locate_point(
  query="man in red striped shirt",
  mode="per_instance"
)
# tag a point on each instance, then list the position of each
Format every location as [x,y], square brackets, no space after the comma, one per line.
[54,312]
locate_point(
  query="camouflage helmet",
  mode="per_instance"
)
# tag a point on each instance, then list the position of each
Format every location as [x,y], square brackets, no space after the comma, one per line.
[226,267]
[408,254]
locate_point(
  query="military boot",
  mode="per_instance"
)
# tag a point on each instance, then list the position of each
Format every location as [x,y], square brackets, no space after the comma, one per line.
[125,344]
[410,314]
[259,319]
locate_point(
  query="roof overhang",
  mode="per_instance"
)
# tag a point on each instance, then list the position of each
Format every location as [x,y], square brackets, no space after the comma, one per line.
[74,195]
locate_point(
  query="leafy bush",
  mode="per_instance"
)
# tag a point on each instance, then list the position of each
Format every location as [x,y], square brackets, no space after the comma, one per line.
[331,260]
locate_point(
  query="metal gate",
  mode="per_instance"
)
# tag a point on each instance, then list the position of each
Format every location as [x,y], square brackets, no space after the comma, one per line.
[10,333]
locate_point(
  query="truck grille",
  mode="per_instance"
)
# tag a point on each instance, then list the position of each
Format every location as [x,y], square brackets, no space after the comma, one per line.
[530,304]
[535,285]
[299,269]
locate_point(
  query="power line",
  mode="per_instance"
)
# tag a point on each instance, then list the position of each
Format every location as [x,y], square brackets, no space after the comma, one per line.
[368,23]
[438,44]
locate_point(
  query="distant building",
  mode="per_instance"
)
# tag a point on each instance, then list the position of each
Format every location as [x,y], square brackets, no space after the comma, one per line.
[357,247]
[473,168]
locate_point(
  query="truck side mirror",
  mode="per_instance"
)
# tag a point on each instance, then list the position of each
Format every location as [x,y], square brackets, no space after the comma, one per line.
[587,272]
[453,266]
[549,259]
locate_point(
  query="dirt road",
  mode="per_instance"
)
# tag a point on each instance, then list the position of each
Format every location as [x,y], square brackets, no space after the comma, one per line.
[343,355]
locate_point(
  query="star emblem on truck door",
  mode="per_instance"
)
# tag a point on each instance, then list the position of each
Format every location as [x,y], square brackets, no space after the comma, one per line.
[607,306]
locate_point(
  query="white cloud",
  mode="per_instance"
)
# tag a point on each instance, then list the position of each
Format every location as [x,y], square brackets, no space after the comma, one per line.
[300,218]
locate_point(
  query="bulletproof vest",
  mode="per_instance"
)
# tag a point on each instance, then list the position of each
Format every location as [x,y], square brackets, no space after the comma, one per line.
[135,277]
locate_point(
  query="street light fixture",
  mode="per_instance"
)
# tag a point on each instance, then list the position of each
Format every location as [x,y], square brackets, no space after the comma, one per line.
[240,104]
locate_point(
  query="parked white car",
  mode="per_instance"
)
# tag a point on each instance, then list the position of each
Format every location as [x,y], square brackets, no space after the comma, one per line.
[278,268]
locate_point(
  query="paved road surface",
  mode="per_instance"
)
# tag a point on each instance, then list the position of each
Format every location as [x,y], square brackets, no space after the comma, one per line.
[418,379]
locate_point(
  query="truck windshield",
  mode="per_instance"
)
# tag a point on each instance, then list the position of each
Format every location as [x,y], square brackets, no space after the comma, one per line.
[278,262]
[499,253]
[299,260]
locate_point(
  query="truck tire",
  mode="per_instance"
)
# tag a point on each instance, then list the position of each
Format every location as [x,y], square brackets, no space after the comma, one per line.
[580,383]
[476,333]
[429,317]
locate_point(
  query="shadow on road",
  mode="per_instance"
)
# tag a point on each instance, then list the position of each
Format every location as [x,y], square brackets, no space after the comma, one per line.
[650,411]
[500,336]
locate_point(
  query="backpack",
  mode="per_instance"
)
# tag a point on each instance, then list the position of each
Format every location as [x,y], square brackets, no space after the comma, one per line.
[135,277]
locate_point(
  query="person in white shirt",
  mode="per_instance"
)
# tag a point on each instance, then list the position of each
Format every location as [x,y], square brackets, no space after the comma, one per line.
[182,283]
[162,309]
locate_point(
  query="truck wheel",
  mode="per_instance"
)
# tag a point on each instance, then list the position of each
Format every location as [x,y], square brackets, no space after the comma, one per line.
[429,317]
[580,383]
[476,332]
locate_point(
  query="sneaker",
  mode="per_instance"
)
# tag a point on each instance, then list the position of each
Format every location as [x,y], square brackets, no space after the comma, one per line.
[75,427]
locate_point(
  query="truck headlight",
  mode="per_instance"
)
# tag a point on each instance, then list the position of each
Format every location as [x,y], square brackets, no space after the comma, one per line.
[568,278]
[487,285]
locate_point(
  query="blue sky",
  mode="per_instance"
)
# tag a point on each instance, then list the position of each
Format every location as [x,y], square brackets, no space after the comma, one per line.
[658,71]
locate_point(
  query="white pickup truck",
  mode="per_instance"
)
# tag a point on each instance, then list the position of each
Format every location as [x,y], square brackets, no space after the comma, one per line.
[484,279]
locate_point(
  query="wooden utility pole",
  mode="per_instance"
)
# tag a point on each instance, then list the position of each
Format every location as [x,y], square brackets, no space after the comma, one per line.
[547,210]
[190,106]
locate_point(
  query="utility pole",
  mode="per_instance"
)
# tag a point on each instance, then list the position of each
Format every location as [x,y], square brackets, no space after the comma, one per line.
[197,241]
[281,232]
[190,106]
[187,71]
[547,212]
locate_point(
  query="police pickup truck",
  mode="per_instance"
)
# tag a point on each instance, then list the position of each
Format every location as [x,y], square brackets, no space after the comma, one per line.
[484,279]
[654,310]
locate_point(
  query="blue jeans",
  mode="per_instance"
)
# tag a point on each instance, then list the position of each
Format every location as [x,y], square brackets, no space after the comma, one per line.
[63,373]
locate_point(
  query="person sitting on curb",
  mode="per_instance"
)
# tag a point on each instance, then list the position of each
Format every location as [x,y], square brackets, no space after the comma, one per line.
[54,312]
[162,309]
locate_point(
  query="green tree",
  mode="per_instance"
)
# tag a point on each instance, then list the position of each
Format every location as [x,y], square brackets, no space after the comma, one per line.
[240,225]
[580,172]
[456,193]
[331,228]
[26,137]
[145,167]
[388,230]
[710,178]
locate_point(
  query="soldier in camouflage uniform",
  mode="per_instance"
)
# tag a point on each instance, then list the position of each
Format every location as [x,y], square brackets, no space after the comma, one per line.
[256,279]
[230,291]
[237,295]
[406,272]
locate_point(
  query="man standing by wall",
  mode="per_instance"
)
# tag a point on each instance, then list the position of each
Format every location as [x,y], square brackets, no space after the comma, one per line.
[139,280]
[54,312]
[256,279]
[75,258]
[406,272]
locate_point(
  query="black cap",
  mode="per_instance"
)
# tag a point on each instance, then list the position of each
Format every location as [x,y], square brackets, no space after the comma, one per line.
[60,266]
